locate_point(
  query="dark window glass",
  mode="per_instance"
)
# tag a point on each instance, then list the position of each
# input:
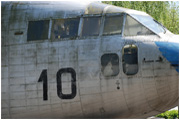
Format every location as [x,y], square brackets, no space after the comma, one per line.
[110,65]
[65,28]
[91,26]
[134,28]
[130,59]
[113,25]
[38,30]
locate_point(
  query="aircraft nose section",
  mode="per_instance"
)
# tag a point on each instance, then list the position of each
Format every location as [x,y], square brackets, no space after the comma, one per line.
[170,50]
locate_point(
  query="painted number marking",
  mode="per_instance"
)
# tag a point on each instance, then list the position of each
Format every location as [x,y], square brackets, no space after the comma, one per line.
[43,78]
[73,83]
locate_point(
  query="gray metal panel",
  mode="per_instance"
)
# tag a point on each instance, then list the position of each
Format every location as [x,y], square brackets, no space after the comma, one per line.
[153,88]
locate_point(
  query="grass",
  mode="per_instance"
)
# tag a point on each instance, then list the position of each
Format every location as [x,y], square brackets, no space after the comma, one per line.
[173,114]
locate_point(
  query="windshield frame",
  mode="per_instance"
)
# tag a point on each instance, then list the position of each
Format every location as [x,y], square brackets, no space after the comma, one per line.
[135,16]
[164,28]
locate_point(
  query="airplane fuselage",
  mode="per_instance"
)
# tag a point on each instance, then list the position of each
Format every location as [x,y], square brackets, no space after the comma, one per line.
[102,75]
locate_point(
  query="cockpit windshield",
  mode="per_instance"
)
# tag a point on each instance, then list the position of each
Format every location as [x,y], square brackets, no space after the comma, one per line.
[149,22]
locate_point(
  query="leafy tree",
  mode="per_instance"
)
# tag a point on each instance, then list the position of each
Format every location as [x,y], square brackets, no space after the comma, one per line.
[165,12]
[173,114]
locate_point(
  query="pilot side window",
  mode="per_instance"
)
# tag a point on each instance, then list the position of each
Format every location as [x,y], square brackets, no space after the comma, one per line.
[65,28]
[38,30]
[130,59]
[110,65]
[113,25]
[134,28]
[91,26]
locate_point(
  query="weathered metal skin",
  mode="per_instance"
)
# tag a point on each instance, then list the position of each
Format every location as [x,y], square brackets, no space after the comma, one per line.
[154,89]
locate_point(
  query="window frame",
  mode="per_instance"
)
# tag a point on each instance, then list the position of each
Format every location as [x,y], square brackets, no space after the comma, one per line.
[48,30]
[112,76]
[137,59]
[67,38]
[82,25]
[125,19]
[114,15]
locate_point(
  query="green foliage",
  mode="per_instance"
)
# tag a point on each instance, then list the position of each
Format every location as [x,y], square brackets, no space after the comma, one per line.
[169,114]
[165,12]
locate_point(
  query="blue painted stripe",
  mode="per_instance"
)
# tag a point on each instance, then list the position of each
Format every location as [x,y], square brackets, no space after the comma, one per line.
[170,51]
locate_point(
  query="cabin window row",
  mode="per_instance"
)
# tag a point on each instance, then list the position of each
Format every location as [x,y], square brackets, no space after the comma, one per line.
[68,28]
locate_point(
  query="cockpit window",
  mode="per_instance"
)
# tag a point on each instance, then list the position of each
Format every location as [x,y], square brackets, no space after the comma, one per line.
[160,26]
[134,28]
[38,30]
[91,26]
[149,22]
[65,28]
[113,25]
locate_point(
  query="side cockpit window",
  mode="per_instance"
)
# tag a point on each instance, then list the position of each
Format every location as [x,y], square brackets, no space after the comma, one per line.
[110,64]
[130,59]
[65,28]
[91,26]
[134,28]
[38,30]
[113,25]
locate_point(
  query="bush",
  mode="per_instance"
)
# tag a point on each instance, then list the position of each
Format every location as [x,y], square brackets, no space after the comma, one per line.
[173,114]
